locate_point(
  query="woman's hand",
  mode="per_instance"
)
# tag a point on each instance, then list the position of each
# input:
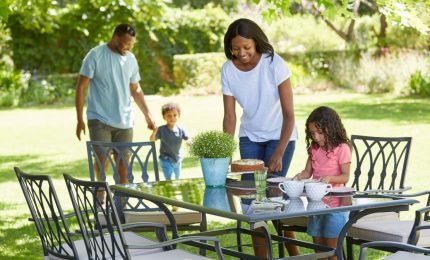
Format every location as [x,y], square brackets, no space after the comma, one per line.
[275,163]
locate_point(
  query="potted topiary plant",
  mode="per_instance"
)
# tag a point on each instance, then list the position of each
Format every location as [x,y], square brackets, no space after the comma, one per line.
[214,148]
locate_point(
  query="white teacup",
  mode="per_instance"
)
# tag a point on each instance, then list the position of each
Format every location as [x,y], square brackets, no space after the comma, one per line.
[317,190]
[293,188]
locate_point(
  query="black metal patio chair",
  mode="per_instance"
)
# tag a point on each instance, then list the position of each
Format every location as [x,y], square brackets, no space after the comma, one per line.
[48,217]
[105,237]
[141,163]
[380,168]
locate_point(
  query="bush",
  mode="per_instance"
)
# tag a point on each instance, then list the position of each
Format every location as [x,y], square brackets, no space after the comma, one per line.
[49,90]
[201,72]
[213,144]
[419,84]
[12,83]
[386,74]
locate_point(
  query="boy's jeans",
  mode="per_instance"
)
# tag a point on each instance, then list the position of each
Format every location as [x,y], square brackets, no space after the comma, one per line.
[170,167]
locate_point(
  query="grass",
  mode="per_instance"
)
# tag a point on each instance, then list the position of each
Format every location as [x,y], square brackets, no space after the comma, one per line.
[42,140]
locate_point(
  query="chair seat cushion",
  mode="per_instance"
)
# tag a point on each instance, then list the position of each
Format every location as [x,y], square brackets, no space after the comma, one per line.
[298,221]
[131,238]
[176,254]
[183,217]
[386,216]
[397,231]
[402,255]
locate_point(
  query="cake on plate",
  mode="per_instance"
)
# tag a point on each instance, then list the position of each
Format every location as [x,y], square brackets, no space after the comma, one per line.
[247,165]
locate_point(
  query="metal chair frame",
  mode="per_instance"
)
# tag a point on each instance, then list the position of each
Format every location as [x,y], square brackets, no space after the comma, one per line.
[108,240]
[386,159]
[47,214]
[135,150]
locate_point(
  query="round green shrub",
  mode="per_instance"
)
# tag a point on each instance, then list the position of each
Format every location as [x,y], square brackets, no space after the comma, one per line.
[213,144]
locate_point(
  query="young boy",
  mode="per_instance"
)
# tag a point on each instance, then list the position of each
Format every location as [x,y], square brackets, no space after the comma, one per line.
[171,136]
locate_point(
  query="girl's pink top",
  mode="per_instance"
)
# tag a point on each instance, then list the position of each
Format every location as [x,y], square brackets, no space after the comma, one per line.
[328,164]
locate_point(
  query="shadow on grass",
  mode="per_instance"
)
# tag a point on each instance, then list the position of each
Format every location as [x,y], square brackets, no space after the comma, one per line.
[34,164]
[20,242]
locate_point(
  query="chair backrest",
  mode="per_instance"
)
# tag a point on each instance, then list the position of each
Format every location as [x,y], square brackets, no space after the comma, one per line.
[139,157]
[47,214]
[98,222]
[381,162]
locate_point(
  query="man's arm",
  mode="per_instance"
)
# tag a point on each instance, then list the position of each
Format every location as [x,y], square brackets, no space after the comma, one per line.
[139,98]
[81,86]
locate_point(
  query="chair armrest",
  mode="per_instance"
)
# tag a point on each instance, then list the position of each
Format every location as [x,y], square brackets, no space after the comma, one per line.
[398,191]
[420,216]
[160,229]
[390,244]
[182,240]
[66,216]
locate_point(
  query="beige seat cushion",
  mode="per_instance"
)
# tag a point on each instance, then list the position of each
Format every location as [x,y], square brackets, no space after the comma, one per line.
[386,216]
[298,221]
[381,230]
[401,255]
[183,217]
[176,254]
[131,238]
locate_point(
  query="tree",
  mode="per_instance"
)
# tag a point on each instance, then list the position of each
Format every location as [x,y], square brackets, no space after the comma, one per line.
[403,13]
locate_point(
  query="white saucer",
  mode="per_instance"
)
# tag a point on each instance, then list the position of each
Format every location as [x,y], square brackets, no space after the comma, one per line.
[342,190]
[278,179]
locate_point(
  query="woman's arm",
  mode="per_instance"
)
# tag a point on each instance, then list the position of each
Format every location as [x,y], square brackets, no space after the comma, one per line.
[229,121]
[287,106]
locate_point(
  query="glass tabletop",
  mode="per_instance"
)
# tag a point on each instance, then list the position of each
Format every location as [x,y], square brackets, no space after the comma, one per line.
[238,199]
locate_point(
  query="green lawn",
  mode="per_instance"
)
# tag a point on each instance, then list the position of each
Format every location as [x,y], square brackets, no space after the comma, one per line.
[42,140]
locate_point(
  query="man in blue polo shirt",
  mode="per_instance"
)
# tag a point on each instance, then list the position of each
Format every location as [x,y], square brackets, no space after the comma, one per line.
[112,73]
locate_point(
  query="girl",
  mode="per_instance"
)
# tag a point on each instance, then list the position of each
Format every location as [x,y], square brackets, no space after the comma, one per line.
[329,161]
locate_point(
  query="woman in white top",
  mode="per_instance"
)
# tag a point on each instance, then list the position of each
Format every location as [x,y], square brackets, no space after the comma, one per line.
[259,80]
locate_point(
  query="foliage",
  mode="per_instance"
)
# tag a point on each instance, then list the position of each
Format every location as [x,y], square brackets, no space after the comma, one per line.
[12,83]
[213,144]
[200,4]
[387,74]
[199,72]
[4,10]
[50,39]
[399,13]
[419,84]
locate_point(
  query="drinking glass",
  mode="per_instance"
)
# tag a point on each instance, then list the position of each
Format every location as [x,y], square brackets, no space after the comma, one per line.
[260,177]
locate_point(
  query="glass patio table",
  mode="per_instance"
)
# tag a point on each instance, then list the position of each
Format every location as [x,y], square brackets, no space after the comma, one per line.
[237,202]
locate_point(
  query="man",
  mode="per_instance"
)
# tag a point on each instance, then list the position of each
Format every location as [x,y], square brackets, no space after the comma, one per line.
[112,73]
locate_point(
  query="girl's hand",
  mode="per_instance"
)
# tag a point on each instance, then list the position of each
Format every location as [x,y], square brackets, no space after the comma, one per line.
[297,176]
[325,179]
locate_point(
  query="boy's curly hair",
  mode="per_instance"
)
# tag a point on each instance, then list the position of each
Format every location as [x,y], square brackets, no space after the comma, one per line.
[328,121]
[170,106]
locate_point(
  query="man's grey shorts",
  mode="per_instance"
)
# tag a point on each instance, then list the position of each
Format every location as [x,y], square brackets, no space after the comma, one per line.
[106,133]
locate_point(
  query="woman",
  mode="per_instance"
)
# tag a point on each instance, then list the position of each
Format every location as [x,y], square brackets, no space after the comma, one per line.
[259,80]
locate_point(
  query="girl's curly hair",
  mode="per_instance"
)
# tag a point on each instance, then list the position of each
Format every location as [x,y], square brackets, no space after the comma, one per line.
[328,121]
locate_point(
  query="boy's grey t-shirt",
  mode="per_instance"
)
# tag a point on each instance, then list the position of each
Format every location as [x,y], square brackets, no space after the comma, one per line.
[171,141]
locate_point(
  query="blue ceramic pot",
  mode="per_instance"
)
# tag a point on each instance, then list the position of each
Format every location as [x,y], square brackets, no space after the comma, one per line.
[216,198]
[215,171]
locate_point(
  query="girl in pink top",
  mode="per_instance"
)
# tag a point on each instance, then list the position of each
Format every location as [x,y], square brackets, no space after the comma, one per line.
[329,160]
